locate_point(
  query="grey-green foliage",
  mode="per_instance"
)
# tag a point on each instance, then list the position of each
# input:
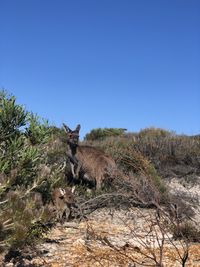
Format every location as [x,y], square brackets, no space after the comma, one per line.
[21,159]
[102,133]
[15,151]
[22,139]
[37,132]
[12,117]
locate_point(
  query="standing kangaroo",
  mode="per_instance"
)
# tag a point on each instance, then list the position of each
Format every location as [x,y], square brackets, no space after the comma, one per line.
[87,162]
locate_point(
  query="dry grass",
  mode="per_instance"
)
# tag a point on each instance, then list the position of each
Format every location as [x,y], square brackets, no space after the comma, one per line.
[96,256]
[105,240]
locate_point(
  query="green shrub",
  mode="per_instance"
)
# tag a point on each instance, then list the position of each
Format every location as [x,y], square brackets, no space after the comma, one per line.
[38,131]
[151,133]
[102,133]
[12,117]
[24,140]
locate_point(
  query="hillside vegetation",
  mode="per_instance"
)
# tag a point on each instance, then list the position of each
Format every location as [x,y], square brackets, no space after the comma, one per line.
[33,161]
[26,177]
[170,154]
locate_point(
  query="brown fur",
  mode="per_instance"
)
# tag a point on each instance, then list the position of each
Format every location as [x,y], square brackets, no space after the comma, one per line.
[62,199]
[92,162]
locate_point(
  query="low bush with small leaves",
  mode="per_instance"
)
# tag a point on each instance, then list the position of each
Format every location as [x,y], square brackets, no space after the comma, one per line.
[26,178]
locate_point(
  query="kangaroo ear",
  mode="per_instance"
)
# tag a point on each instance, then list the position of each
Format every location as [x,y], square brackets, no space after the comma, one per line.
[78,127]
[66,128]
[73,189]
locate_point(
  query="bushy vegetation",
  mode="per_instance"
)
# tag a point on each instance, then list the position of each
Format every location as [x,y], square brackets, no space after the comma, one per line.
[102,133]
[171,154]
[26,178]
[131,161]
[146,158]
[33,162]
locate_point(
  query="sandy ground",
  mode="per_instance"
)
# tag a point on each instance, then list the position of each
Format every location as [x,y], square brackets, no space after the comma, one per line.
[107,239]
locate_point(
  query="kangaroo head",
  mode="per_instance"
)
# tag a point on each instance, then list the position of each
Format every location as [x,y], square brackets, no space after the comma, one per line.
[72,135]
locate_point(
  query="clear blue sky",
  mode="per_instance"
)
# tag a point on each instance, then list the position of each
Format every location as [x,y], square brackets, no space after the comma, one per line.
[104,63]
